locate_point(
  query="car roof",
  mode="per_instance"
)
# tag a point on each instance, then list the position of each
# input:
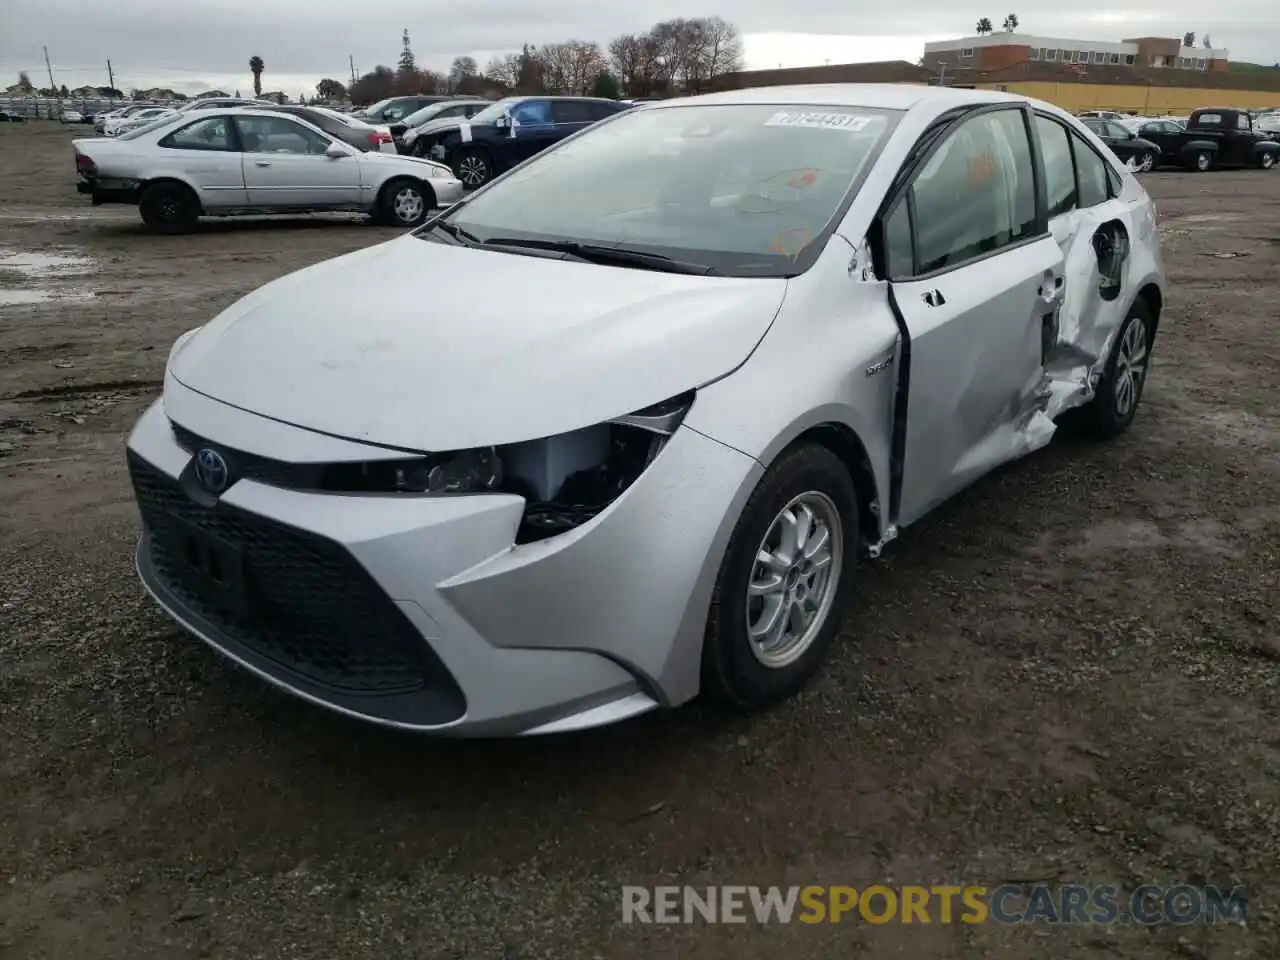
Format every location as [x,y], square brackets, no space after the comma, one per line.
[884,96]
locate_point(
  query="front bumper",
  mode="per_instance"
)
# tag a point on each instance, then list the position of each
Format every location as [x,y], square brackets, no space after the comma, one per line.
[419,612]
[448,190]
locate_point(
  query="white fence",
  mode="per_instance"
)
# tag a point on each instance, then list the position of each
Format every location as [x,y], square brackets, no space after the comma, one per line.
[50,108]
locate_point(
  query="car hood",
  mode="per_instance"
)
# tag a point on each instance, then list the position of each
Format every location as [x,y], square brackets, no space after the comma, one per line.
[481,348]
[436,126]
[399,160]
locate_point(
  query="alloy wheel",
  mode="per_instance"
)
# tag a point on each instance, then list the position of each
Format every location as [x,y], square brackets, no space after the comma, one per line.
[794,579]
[473,171]
[1131,366]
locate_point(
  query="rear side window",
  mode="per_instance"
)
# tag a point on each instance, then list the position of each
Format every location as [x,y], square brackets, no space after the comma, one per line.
[211,133]
[1059,168]
[1091,171]
[598,111]
[976,194]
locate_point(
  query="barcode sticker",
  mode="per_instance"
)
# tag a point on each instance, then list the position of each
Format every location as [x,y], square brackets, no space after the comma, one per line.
[822,121]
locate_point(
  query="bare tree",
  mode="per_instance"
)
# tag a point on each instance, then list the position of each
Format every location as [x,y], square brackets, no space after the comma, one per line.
[723,47]
[504,71]
[984,27]
[570,67]
[464,76]
[632,56]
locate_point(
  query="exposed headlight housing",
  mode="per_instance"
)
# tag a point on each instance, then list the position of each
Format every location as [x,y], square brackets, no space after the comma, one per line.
[438,171]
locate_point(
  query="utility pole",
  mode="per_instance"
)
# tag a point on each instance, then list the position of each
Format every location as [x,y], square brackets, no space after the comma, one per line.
[53,86]
[111,77]
[942,73]
[352,60]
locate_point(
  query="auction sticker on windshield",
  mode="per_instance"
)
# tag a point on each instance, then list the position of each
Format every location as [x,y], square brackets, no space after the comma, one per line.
[822,121]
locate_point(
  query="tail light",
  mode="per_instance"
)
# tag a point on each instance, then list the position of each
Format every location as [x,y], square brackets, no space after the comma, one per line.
[378,138]
[85,166]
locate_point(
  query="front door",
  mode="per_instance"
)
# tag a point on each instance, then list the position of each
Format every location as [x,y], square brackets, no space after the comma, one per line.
[977,279]
[531,131]
[206,151]
[285,166]
[1166,135]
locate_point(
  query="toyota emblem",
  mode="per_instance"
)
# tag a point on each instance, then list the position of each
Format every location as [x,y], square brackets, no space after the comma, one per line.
[211,470]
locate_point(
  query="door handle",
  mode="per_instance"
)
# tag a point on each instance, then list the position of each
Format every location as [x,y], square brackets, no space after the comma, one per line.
[933,298]
[262,163]
[1051,293]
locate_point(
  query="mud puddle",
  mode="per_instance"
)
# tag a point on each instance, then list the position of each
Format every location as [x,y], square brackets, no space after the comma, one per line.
[31,278]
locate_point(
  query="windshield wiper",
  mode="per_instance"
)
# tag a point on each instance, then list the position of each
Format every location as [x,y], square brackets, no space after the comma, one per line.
[599,253]
[465,237]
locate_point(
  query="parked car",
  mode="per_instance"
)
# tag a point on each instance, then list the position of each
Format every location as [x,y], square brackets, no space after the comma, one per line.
[11,116]
[101,120]
[394,109]
[404,132]
[666,393]
[249,160]
[1267,123]
[142,118]
[1100,115]
[1139,154]
[222,103]
[1218,137]
[75,116]
[363,136]
[509,132]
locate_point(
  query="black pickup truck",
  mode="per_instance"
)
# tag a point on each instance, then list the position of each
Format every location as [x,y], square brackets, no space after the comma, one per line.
[1214,137]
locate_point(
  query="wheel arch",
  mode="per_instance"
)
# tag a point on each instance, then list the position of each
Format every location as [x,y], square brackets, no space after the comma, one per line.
[1153,298]
[843,441]
[396,178]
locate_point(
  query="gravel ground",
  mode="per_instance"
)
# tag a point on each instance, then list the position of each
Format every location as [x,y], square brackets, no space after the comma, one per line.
[1068,674]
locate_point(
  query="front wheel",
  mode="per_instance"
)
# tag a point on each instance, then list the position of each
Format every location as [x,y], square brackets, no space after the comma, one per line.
[473,167]
[784,580]
[1113,408]
[1200,161]
[405,203]
[1267,160]
[1146,163]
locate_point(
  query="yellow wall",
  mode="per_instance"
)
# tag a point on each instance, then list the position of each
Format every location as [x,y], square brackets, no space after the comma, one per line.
[1150,101]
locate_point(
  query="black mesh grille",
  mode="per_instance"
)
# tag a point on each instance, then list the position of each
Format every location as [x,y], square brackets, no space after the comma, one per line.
[306,603]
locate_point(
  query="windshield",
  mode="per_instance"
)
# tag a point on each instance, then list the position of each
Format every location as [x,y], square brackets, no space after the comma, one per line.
[419,117]
[494,111]
[745,189]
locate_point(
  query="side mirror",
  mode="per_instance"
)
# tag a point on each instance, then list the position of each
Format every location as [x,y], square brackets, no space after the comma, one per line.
[502,123]
[336,151]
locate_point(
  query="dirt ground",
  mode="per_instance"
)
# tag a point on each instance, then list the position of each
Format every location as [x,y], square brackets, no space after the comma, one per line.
[1067,675]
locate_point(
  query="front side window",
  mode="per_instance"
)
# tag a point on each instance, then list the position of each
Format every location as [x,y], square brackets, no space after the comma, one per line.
[747,189]
[211,133]
[1117,132]
[1059,169]
[531,111]
[278,135]
[977,192]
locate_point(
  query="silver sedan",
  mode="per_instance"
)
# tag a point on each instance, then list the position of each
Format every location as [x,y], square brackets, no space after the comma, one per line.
[676,379]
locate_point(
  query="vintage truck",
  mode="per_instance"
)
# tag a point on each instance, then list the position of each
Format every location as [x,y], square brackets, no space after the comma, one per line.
[1213,137]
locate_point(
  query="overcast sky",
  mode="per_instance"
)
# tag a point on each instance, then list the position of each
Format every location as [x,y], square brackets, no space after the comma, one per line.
[192,45]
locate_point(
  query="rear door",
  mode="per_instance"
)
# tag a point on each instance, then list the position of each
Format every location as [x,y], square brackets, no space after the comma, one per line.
[977,278]
[285,166]
[208,155]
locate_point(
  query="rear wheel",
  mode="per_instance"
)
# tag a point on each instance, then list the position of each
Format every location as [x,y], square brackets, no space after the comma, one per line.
[1113,408]
[785,577]
[1200,161]
[168,207]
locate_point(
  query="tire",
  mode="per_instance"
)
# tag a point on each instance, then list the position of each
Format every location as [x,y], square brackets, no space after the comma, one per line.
[473,167]
[1112,409]
[1147,162]
[168,208]
[737,671]
[1266,161]
[1201,161]
[405,203]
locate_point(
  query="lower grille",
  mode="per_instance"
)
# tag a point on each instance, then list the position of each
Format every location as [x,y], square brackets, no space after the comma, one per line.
[302,601]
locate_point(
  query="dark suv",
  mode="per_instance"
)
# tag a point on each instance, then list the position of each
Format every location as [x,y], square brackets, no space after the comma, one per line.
[509,132]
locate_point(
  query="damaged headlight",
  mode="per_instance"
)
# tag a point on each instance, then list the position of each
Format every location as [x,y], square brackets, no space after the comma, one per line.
[568,479]
[565,480]
[466,471]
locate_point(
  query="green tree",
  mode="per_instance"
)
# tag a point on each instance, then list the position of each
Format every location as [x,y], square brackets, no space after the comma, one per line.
[256,66]
[984,26]
[407,62]
[328,89]
[606,85]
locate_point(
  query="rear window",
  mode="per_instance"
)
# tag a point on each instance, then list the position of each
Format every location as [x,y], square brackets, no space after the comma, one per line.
[1207,120]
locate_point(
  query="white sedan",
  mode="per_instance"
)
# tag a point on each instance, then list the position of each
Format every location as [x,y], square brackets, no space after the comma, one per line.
[235,161]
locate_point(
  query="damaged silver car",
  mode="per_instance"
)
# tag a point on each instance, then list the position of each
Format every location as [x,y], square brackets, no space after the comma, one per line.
[677,376]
